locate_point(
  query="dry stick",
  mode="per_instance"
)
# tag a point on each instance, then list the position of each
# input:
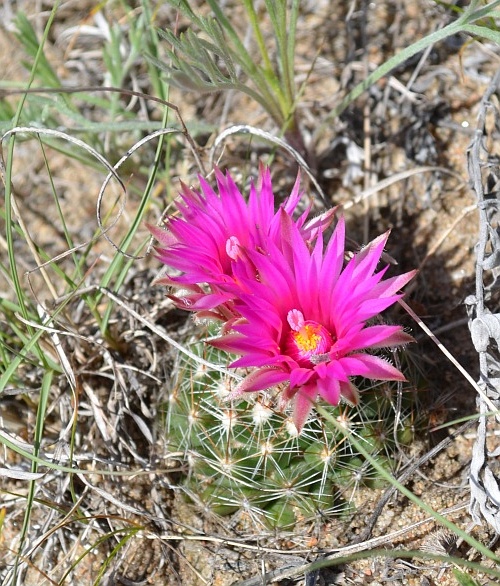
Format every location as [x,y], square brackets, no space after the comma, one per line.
[452,359]
[100,198]
[367,131]
[367,167]
[242,543]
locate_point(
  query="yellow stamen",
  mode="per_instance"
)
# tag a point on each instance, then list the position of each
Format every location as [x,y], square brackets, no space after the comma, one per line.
[307,338]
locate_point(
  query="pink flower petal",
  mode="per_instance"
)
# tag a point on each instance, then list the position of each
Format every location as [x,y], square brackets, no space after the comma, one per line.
[302,405]
[318,225]
[300,376]
[370,367]
[329,390]
[349,393]
[294,197]
[164,237]
[369,256]
[372,337]
[263,378]
[393,285]
[214,230]
[199,301]
[236,343]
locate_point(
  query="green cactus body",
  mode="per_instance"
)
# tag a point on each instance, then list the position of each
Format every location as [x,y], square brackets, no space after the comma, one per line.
[245,456]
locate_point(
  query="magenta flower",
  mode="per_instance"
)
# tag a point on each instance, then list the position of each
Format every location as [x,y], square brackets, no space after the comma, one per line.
[211,229]
[305,319]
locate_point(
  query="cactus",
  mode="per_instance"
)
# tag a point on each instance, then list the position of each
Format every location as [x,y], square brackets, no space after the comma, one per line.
[246,456]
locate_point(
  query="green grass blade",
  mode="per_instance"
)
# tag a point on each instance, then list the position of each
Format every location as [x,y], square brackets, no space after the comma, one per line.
[40,419]
[483,32]
[464,579]
[390,64]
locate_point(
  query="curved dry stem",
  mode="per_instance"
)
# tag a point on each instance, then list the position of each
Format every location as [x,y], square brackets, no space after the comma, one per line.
[247,129]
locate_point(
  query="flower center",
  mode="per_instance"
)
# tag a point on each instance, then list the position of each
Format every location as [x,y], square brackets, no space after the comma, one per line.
[307,340]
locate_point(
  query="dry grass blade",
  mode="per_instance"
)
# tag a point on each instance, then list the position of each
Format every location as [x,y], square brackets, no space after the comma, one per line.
[159,331]
[113,173]
[268,137]
[401,176]
[493,408]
